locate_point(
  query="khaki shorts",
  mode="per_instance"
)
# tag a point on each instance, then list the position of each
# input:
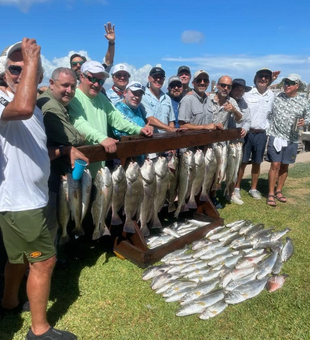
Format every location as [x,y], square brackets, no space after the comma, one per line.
[25,233]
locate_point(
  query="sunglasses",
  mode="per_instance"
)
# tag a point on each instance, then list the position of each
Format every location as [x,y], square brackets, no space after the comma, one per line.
[223,86]
[121,75]
[266,76]
[289,83]
[199,80]
[74,63]
[94,80]
[172,85]
[15,70]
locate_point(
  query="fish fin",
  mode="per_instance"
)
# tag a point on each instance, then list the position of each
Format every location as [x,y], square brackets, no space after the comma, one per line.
[171,207]
[129,227]
[105,231]
[116,220]
[79,231]
[64,239]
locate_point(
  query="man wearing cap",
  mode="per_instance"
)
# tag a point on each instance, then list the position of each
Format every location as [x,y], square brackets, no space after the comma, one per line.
[60,133]
[25,168]
[120,77]
[157,104]
[77,60]
[184,73]
[91,112]
[238,89]
[175,89]
[259,100]
[192,110]
[290,111]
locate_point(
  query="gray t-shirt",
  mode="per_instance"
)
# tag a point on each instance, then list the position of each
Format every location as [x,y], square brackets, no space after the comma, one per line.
[192,109]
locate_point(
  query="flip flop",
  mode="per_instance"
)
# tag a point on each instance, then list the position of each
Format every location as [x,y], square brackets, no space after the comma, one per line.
[282,198]
[271,202]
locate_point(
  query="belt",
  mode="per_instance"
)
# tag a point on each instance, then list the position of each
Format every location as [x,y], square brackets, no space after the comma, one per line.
[257,130]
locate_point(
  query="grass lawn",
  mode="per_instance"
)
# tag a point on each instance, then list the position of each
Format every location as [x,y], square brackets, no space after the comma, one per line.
[103,297]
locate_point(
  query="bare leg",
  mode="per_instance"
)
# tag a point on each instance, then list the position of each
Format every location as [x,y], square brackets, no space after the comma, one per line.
[13,276]
[273,176]
[255,175]
[38,289]
[283,172]
[240,174]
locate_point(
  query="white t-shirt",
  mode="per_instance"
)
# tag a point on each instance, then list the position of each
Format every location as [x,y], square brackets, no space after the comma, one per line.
[24,161]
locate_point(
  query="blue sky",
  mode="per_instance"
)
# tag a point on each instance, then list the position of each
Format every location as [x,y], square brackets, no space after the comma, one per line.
[222,37]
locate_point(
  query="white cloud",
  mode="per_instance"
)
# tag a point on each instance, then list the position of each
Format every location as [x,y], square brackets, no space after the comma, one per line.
[23,5]
[245,66]
[192,37]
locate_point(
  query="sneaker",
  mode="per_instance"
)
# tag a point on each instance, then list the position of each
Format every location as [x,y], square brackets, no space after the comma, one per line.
[51,334]
[255,194]
[237,193]
[216,203]
[235,199]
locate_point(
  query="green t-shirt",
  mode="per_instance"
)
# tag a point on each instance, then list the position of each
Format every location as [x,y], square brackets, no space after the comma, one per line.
[91,116]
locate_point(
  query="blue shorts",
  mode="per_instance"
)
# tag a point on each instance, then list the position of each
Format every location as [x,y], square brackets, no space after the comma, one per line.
[287,155]
[255,144]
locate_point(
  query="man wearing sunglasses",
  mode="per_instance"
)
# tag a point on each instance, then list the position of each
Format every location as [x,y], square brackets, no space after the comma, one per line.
[120,77]
[175,90]
[259,100]
[193,112]
[290,111]
[25,169]
[91,112]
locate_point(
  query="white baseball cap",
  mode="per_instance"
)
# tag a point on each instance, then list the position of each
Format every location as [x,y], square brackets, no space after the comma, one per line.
[135,86]
[120,67]
[10,49]
[198,73]
[94,67]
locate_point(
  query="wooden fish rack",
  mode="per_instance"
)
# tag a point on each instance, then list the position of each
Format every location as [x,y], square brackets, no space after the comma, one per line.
[133,246]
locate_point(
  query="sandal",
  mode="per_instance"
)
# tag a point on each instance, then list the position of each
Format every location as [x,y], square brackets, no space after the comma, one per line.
[271,202]
[280,197]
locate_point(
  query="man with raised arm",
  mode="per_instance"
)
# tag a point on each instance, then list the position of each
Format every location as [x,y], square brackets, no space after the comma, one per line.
[25,168]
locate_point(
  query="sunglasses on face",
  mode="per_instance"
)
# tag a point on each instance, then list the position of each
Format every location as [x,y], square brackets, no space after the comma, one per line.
[173,85]
[94,80]
[74,63]
[199,80]
[223,86]
[266,76]
[289,83]
[15,70]
[121,75]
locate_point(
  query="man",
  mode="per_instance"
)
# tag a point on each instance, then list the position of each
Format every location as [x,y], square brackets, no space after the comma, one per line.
[238,89]
[290,111]
[222,108]
[192,110]
[157,105]
[175,89]
[24,191]
[259,100]
[76,60]
[91,112]
[60,133]
[120,77]
[184,73]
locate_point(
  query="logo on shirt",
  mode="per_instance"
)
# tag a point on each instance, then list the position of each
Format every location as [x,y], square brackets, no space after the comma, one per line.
[35,254]
[3,101]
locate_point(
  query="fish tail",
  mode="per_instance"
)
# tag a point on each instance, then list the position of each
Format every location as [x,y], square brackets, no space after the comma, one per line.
[171,207]
[79,231]
[129,227]
[96,234]
[64,239]
[116,220]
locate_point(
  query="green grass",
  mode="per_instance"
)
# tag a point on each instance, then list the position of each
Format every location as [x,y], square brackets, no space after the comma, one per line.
[103,297]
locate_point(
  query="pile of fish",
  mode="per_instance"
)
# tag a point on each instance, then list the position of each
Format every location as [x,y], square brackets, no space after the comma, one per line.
[142,192]
[231,264]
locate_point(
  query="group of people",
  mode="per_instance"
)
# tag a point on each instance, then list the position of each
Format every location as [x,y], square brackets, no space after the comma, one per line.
[37,149]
